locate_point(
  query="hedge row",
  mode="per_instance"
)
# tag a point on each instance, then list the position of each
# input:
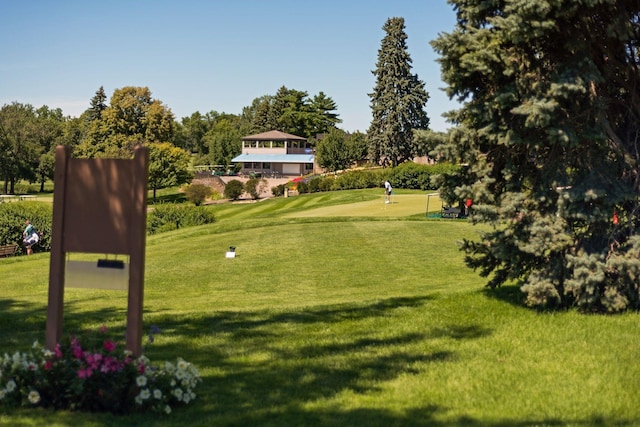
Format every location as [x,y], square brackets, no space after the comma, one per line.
[167,217]
[163,217]
[409,176]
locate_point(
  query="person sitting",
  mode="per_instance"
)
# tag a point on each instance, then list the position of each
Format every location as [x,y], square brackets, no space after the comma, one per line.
[30,237]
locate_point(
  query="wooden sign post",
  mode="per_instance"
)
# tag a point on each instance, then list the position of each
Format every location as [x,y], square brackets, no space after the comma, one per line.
[99,207]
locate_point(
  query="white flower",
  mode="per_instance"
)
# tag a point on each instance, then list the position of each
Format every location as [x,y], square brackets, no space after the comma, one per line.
[178,393]
[167,409]
[2,394]
[180,374]
[169,368]
[138,400]
[11,385]
[35,344]
[34,397]
[145,394]
[186,398]
[182,365]
[173,383]
[157,394]
[141,381]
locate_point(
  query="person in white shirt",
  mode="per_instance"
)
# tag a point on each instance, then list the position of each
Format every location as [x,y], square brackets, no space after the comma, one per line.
[387,192]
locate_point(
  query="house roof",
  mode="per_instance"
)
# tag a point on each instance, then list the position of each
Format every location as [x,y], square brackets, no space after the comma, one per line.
[273,135]
[274,158]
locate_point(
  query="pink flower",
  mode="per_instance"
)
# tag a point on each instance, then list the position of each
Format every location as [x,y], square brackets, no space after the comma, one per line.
[58,351]
[93,360]
[103,329]
[109,346]
[48,365]
[85,373]
[75,347]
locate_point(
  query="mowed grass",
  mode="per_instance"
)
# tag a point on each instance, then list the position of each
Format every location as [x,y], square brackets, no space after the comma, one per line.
[339,320]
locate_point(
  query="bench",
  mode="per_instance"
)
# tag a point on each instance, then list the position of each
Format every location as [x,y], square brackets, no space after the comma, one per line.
[450,212]
[8,250]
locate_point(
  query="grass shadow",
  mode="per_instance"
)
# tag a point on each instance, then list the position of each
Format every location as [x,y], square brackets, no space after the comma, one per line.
[509,293]
[259,376]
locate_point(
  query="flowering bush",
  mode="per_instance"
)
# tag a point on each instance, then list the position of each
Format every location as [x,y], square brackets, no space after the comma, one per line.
[94,373]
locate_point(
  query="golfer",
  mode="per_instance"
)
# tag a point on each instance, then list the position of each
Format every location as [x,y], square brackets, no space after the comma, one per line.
[387,192]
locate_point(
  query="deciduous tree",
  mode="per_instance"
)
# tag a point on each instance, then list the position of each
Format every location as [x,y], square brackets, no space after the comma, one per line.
[19,144]
[132,117]
[168,166]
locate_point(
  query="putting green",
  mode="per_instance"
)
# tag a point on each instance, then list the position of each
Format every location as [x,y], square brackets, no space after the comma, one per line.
[401,205]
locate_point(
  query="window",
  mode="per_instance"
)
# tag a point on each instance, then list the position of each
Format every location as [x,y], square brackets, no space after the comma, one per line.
[266,166]
[308,166]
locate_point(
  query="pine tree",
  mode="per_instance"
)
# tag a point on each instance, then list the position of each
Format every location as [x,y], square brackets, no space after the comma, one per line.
[549,128]
[397,101]
[98,105]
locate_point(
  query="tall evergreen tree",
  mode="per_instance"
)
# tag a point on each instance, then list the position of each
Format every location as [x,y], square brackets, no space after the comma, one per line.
[397,101]
[549,127]
[98,105]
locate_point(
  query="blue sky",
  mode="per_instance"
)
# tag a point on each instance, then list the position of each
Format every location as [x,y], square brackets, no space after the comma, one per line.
[213,55]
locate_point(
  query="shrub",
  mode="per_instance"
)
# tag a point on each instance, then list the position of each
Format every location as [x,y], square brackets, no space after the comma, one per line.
[418,177]
[255,186]
[167,217]
[197,193]
[278,190]
[314,184]
[303,187]
[234,189]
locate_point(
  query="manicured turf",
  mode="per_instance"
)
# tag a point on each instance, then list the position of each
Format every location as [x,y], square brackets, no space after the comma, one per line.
[343,320]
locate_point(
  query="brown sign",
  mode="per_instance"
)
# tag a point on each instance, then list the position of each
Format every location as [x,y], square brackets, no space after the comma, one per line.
[100,207]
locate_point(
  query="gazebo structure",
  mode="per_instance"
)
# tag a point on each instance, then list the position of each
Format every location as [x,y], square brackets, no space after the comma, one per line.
[276,153]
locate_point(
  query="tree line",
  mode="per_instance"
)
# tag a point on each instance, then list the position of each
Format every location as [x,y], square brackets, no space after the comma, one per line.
[112,127]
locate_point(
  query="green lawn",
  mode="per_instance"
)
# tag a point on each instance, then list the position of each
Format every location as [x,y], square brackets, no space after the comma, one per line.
[333,315]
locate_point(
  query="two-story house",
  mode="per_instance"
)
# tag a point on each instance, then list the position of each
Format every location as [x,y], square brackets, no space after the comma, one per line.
[276,152]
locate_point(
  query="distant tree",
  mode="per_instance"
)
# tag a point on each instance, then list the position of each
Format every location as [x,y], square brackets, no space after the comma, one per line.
[323,115]
[332,151]
[296,113]
[358,146]
[192,131]
[397,101]
[292,111]
[257,114]
[49,129]
[430,143]
[168,166]
[224,142]
[19,144]
[550,131]
[45,168]
[98,105]
[132,117]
